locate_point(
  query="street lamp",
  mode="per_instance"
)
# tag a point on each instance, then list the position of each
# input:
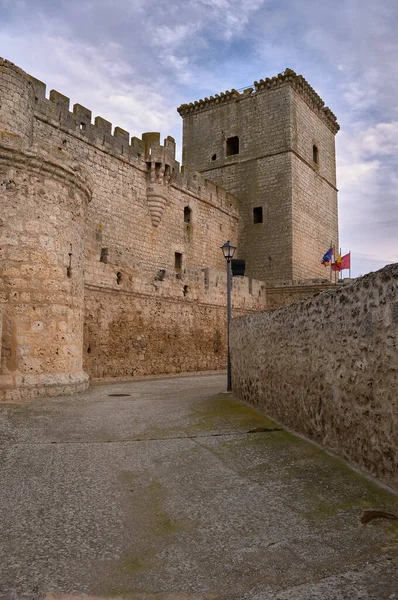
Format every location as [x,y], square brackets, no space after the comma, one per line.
[228,251]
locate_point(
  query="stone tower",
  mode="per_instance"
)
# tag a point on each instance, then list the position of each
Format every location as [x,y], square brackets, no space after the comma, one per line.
[42,236]
[273,146]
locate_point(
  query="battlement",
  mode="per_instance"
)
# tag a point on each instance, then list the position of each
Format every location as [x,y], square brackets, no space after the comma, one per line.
[146,153]
[198,105]
[56,108]
[148,149]
[155,152]
[298,82]
[301,85]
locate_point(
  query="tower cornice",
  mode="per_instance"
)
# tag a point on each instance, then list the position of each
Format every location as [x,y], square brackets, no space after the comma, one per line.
[289,77]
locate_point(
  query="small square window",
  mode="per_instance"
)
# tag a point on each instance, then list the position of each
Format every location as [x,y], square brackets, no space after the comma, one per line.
[232,146]
[258,214]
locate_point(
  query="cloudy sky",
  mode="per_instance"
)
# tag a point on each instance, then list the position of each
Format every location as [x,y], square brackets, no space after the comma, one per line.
[134,61]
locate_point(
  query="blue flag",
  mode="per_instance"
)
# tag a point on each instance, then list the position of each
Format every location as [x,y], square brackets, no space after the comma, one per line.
[327,257]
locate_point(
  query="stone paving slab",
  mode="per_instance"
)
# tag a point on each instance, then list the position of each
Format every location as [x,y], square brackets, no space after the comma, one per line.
[161,494]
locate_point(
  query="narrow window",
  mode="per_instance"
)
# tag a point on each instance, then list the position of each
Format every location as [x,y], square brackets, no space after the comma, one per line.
[187,214]
[315,154]
[82,126]
[258,214]
[232,146]
[104,255]
[214,157]
[178,262]
[187,222]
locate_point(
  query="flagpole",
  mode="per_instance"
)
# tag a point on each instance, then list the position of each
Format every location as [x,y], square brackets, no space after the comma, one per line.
[340,263]
[350,264]
[334,256]
[331,280]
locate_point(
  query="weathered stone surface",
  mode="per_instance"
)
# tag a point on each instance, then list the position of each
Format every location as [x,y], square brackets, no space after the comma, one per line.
[41,276]
[278,126]
[161,331]
[328,368]
[154,281]
[17,105]
[281,295]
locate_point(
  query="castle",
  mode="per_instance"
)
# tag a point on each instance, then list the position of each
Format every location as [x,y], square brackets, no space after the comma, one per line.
[110,251]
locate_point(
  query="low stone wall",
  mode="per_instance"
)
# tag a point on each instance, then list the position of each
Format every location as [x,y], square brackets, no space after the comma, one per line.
[282,295]
[328,367]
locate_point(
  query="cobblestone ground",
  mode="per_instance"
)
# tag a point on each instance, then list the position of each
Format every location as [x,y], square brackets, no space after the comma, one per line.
[156,490]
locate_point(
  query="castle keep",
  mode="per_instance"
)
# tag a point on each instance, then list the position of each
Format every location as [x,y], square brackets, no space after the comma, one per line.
[110,260]
[273,147]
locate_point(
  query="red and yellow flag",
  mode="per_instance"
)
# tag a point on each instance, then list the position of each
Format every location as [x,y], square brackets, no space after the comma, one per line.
[342,262]
[336,266]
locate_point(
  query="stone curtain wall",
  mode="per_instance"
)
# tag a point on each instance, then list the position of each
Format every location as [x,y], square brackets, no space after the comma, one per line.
[168,325]
[328,368]
[130,334]
[119,214]
[142,314]
[104,234]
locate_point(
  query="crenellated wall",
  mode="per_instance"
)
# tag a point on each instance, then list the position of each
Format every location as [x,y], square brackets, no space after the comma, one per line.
[110,260]
[328,367]
[138,268]
[139,190]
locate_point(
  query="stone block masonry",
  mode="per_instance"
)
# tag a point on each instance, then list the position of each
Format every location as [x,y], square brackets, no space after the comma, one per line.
[110,255]
[273,147]
[110,260]
[44,203]
[328,368]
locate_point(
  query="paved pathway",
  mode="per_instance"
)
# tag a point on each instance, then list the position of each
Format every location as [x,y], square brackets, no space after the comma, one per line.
[162,494]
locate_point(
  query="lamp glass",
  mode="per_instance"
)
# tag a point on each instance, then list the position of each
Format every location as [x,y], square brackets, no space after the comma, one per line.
[228,250]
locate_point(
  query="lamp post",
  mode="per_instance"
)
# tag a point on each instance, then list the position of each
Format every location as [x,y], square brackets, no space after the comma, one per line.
[228,251]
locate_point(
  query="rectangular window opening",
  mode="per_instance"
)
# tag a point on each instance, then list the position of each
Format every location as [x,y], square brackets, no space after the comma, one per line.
[315,154]
[178,262]
[104,255]
[258,214]
[187,214]
[232,146]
